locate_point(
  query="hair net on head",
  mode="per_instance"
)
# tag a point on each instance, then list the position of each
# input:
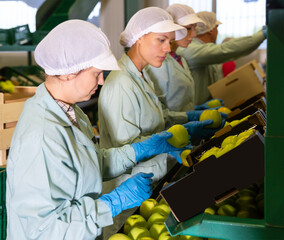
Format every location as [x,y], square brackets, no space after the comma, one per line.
[210,21]
[183,14]
[151,19]
[72,46]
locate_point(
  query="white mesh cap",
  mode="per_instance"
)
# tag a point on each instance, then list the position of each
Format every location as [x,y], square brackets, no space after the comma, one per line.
[151,19]
[209,18]
[183,14]
[72,46]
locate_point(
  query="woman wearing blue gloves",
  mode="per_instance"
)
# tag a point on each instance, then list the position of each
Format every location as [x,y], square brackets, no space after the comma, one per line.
[54,169]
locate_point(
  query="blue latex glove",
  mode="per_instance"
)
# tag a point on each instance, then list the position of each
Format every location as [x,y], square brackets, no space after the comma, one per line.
[176,154]
[154,145]
[197,130]
[193,115]
[264,31]
[129,194]
[205,105]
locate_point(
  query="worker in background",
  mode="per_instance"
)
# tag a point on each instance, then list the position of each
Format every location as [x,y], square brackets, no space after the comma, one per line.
[55,169]
[173,82]
[203,55]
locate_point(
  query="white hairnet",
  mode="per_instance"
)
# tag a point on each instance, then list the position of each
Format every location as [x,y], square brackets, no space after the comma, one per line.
[210,21]
[151,19]
[183,14]
[72,46]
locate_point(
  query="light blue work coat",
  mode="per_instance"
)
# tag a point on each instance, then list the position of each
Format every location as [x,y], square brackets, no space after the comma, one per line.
[203,59]
[130,111]
[54,174]
[174,84]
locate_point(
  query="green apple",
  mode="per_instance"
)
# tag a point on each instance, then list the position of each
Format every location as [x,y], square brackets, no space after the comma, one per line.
[183,157]
[156,217]
[138,232]
[224,110]
[227,210]
[210,211]
[162,201]
[259,197]
[214,115]
[165,236]
[214,103]
[146,238]
[224,150]
[134,221]
[245,200]
[247,214]
[187,237]
[147,206]
[119,236]
[162,208]
[156,229]
[247,192]
[229,140]
[180,136]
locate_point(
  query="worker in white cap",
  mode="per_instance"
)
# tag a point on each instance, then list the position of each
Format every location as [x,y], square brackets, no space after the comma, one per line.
[203,55]
[129,109]
[55,169]
[174,84]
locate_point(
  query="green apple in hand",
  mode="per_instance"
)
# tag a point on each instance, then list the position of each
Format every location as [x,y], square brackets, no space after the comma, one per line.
[138,232]
[214,103]
[119,236]
[156,229]
[134,221]
[180,136]
[147,207]
[213,115]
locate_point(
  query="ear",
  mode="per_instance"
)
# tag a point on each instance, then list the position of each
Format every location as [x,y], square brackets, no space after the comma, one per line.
[210,32]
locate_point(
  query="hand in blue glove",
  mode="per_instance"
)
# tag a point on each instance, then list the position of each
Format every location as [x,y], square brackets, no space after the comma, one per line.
[205,105]
[129,194]
[264,31]
[154,145]
[197,130]
[193,115]
[176,154]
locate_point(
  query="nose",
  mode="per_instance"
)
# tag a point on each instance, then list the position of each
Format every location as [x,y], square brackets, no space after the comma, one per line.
[167,47]
[101,79]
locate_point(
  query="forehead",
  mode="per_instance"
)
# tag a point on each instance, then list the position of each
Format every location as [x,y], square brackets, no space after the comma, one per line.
[167,35]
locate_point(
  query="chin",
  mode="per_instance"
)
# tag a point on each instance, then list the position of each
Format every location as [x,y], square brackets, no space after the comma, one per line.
[156,64]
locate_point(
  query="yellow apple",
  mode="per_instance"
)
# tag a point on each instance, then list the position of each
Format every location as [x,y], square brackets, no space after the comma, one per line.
[147,206]
[138,232]
[165,236]
[156,217]
[229,140]
[162,208]
[239,141]
[224,150]
[183,156]
[119,236]
[224,110]
[246,133]
[245,118]
[227,210]
[134,221]
[180,136]
[210,211]
[234,123]
[208,153]
[156,229]
[214,115]
[214,103]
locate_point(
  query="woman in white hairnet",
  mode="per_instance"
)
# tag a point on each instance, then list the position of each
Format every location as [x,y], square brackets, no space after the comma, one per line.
[54,169]
[173,81]
[203,55]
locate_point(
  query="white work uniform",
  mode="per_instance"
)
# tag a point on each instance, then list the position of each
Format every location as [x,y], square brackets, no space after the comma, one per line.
[54,174]
[130,111]
[174,84]
[202,59]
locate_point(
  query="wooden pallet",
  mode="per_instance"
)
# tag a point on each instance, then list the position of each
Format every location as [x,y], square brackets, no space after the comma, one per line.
[11,106]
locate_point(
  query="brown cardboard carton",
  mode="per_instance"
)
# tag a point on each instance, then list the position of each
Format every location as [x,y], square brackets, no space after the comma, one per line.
[240,85]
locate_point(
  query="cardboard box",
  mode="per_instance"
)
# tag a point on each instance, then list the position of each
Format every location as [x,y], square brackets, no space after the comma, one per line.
[215,179]
[11,106]
[240,85]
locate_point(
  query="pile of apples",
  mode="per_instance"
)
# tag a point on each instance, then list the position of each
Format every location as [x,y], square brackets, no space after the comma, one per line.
[149,224]
[236,122]
[247,203]
[227,144]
